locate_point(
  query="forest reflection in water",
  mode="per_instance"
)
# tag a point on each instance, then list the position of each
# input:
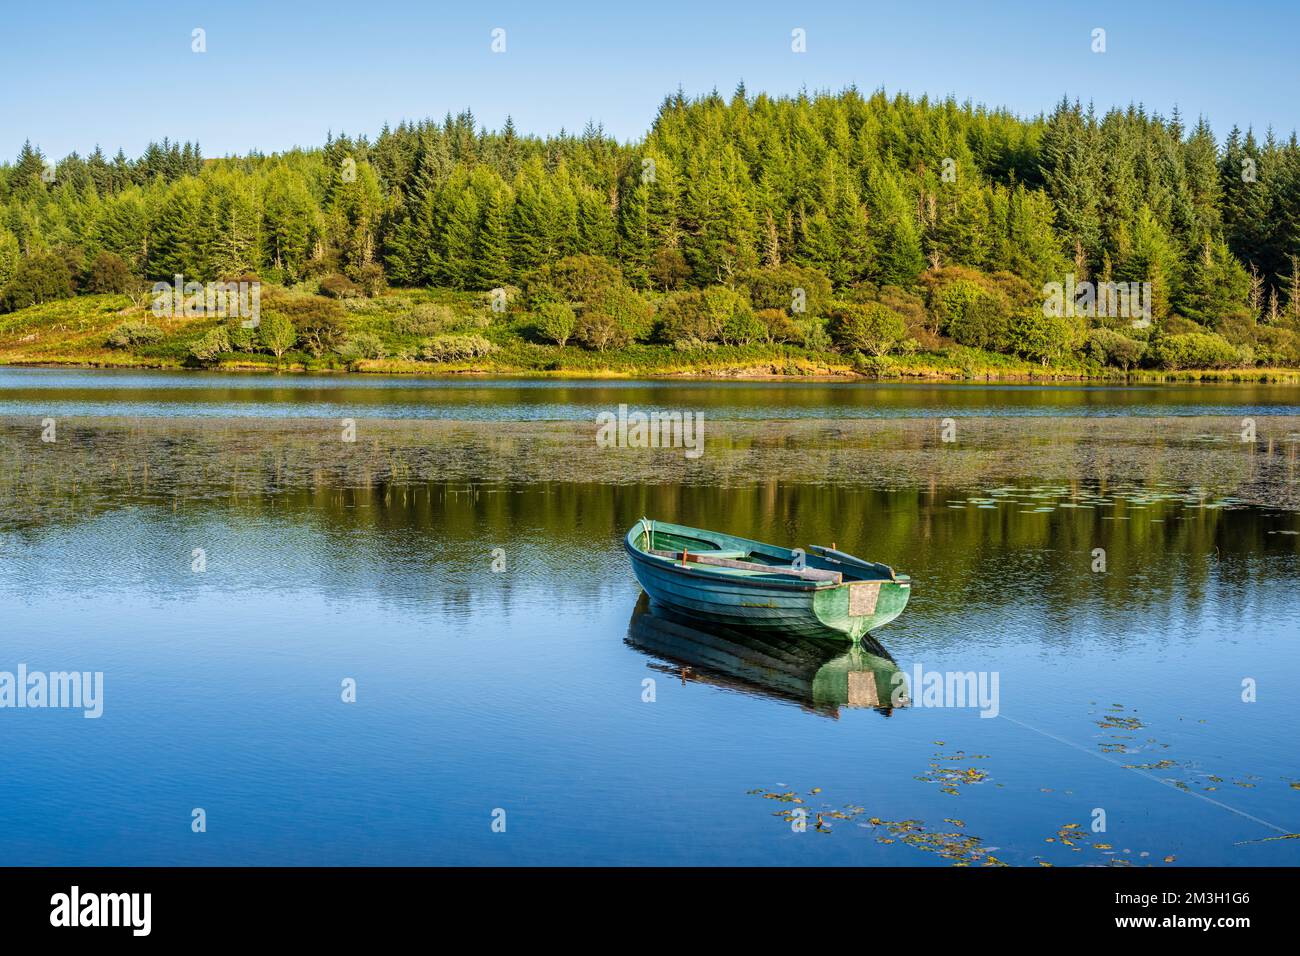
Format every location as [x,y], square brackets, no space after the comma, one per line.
[1121,579]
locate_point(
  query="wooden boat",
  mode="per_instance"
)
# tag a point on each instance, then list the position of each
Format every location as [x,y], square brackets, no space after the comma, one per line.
[736,582]
[820,675]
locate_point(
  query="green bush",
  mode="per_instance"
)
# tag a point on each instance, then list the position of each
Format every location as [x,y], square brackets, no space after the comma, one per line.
[742,328]
[320,324]
[276,333]
[971,315]
[1193,350]
[43,277]
[571,279]
[787,286]
[873,328]
[669,269]
[602,331]
[336,286]
[130,335]
[879,366]
[557,322]
[1275,346]
[369,280]
[454,348]
[614,317]
[242,339]
[1114,348]
[812,334]
[211,345]
[777,326]
[704,316]
[1046,339]
[109,273]
[425,318]
[362,345]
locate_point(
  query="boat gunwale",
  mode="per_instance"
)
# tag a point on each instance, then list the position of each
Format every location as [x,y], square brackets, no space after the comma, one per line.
[721,574]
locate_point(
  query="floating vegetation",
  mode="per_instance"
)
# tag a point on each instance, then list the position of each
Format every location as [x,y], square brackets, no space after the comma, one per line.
[1075,838]
[1110,463]
[1157,765]
[1136,498]
[954,845]
[1206,782]
[950,779]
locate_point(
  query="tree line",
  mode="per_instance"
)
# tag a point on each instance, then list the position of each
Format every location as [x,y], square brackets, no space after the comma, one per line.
[891,199]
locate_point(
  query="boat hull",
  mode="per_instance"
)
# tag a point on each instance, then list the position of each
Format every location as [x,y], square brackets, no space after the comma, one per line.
[798,608]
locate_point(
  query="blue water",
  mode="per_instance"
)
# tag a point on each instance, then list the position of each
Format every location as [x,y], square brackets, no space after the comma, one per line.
[520,690]
[71,393]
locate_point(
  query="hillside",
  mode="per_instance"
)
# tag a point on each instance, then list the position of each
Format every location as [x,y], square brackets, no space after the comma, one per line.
[836,231]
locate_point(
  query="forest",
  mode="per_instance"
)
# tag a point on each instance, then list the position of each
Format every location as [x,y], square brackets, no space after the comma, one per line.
[873,227]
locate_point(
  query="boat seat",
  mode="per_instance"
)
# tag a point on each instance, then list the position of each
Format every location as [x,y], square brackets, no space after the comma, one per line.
[677,555]
[717,559]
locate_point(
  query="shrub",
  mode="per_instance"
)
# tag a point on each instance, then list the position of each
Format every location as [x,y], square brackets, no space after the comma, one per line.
[742,328]
[109,273]
[1274,346]
[557,322]
[572,279]
[614,316]
[242,339]
[669,269]
[873,328]
[874,365]
[320,324]
[683,317]
[380,305]
[362,345]
[43,277]
[209,346]
[132,334]
[812,334]
[777,326]
[1113,348]
[785,287]
[370,280]
[600,330]
[701,316]
[426,318]
[1193,350]
[337,286]
[454,348]
[276,333]
[971,315]
[1041,338]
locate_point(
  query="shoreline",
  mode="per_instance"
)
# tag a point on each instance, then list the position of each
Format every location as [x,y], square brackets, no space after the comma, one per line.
[754,373]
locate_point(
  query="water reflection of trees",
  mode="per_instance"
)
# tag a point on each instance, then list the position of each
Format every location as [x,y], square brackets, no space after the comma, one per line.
[431,542]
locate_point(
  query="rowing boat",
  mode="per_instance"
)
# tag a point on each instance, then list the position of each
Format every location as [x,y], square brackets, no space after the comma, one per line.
[736,582]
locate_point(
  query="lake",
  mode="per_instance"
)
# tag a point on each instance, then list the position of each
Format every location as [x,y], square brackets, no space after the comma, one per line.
[415,638]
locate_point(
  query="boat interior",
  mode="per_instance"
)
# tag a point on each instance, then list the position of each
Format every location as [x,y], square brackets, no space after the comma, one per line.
[754,558]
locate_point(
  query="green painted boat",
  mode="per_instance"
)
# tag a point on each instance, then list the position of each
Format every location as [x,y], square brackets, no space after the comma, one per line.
[735,582]
[819,675]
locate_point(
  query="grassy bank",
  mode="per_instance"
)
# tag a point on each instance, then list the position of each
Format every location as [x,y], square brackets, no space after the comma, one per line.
[76,332]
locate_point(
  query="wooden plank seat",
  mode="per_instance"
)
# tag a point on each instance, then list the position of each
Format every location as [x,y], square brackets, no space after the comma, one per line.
[725,559]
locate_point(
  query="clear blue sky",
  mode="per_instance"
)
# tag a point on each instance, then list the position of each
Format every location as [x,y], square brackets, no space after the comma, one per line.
[277,75]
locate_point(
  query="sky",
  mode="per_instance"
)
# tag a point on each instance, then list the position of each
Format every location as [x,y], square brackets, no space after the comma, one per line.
[279,75]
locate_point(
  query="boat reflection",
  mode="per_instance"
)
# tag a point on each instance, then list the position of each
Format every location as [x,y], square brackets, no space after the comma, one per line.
[820,676]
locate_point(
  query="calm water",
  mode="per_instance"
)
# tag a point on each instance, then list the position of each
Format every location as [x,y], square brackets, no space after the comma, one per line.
[525,689]
[218,395]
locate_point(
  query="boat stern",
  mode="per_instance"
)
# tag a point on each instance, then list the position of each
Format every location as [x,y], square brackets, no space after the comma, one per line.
[855,608]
